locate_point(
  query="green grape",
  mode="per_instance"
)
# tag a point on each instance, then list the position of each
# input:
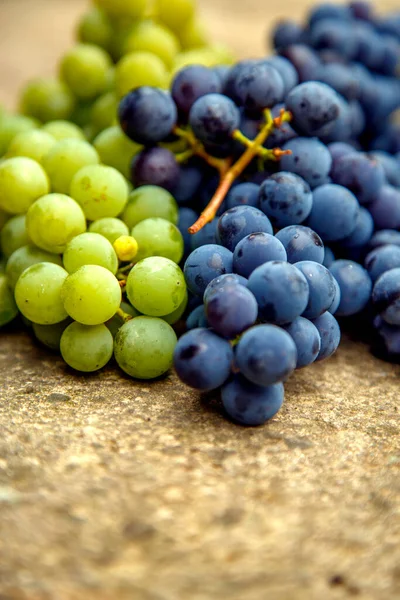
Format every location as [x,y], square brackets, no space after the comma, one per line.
[3,264]
[95,28]
[144,347]
[110,228]
[8,308]
[123,8]
[4,216]
[63,130]
[193,35]
[104,111]
[175,13]
[14,235]
[158,237]
[25,257]
[116,150]
[34,144]
[52,221]
[147,36]
[84,69]
[90,249]
[50,335]
[150,201]
[100,190]
[22,181]
[137,69]
[156,286]
[91,295]
[86,348]
[116,322]
[47,99]
[38,293]
[177,314]
[11,125]
[65,159]
[81,114]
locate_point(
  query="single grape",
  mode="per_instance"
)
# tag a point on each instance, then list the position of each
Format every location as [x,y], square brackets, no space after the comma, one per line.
[301,243]
[86,348]
[307,340]
[133,9]
[243,194]
[144,347]
[286,32]
[385,208]
[101,191]
[334,212]
[116,150]
[202,359]
[95,28]
[286,70]
[158,237]
[362,232]
[147,115]
[155,166]
[63,130]
[22,181]
[47,99]
[382,259]
[355,286]
[8,307]
[148,202]
[156,286]
[204,264]
[281,291]
[138,69]
[190,83]
[286,199]
[25,257]
[84,68]
[266,354]
[231,310]
[255,250]
[304,59]
[13,235]
[193,35]
[218,283]
[313,105]
[236,223]
[321,285]
[148,36]
[53,220]
[65,159]
[256,86]
[329,332]
[251,404]
[91,295]
[359,173]
[50,335]
[34,144]
[175,13]
[38,293]
[11,125]
[89,249]
[310,159]
[213,118]
[110,228]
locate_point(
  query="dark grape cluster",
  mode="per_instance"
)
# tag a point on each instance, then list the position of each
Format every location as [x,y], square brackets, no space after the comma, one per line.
[293,161]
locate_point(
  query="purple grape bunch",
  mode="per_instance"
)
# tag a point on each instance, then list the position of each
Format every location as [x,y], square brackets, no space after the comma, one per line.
[297,245]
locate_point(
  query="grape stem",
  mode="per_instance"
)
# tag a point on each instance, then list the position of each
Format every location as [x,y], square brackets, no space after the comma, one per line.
[124,316]
[196,148]
[253,148]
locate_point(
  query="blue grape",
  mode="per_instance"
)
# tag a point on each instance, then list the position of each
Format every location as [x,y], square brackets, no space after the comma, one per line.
[339,149]
[338,295]
[284,133]
[266,354]
[307,340]
[334,35]
[192,82]
[256,86]
[390,166]
[387,339]
[385,208]
[355,286]
[222,72]
[191,177]
[147,115]
[362,232]
[329,257]
[334,212]
[360,174]
[213,118]
[362,9]
[202,359]
[386,296]
[357,118]
[330,11]
[206,235]
[250,404]
[285,69]
[204,264]
[231,310]
[155,166]
[286,199]
[321,286]
[243,193]
[281,291]
[254,250]
[186,218]
[240,221]
[222,281]
[313,105]
[388,140]
[304,60]
[197,318]
[286,32]
[329,331]
[310,159]
[382,259]
[383,237]
[342,79]
[233,74]
[301,243]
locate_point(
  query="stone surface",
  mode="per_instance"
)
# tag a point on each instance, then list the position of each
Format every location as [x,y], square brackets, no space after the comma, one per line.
[112,489]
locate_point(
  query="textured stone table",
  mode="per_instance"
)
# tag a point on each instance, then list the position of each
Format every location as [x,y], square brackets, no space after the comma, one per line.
[116,490]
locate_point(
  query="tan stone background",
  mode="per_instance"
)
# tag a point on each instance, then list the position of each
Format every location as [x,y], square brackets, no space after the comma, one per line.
[114,490]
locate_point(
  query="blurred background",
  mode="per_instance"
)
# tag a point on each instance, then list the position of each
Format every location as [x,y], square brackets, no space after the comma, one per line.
[34,33]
